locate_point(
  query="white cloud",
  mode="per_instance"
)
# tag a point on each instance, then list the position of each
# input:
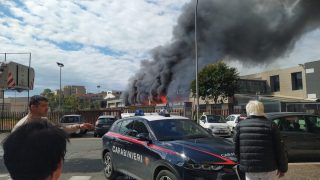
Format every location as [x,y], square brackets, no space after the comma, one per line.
[132,28]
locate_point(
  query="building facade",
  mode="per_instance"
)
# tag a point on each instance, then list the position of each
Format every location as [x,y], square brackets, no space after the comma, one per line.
[113,99]
[73,90]
[291,89]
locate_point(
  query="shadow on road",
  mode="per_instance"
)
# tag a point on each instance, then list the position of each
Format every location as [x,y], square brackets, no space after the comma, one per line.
[87,166]
[82,165]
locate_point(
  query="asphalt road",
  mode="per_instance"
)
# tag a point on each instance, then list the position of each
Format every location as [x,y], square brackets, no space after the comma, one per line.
[83,162]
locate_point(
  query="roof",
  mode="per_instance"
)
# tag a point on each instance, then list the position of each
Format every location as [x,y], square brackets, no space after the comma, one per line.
[280,114]
[237,114]
[275,98]
[73,115]
[106,116]
[155,117]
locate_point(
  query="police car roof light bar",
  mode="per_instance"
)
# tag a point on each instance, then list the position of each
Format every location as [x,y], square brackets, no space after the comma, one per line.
[139,112]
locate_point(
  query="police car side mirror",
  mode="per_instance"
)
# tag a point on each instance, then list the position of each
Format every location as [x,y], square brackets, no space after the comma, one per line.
[143,137]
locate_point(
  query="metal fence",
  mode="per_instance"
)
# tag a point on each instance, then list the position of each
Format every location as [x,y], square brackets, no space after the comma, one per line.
[9,119]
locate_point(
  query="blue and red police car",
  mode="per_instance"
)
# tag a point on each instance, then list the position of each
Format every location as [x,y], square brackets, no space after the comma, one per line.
[157,147]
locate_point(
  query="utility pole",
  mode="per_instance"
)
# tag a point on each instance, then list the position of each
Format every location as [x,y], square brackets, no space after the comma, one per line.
[196,51]
[60,65]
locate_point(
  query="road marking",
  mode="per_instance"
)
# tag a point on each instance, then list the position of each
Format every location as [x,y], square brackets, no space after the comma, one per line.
[80,178]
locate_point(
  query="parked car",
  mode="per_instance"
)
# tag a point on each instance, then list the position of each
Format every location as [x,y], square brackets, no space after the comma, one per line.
[103,125]
[301,133]
[71,120]
[166,147]
[233,119]
[216,123]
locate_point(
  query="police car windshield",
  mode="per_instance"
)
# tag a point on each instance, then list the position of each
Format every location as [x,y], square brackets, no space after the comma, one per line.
[176,129]
[215,119]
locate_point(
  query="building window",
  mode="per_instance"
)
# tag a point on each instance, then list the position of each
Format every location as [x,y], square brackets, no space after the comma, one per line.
[275,83]
[296,80]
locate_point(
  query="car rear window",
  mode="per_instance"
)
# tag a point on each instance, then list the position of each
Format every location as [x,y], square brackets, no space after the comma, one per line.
[106,120]
[70,119]
[215,119]
[314,123]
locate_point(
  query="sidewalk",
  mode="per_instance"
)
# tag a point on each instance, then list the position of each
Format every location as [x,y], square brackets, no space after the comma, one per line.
[3,135]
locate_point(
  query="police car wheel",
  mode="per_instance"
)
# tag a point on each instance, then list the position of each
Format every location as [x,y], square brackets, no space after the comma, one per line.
[166,175]
[108,168]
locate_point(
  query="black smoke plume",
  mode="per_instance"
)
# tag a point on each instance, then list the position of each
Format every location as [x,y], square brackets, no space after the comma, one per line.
[252,31]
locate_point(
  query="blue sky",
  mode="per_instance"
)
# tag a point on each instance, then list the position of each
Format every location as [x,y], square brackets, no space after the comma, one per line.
[102,42]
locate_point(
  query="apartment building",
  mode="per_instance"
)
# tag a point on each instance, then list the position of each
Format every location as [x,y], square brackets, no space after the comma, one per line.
[73,90]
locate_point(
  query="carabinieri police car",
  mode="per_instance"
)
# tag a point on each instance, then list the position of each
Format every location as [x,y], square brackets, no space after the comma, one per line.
[155,147]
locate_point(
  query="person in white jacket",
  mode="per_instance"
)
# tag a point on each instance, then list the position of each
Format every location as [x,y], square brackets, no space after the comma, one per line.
[38,110]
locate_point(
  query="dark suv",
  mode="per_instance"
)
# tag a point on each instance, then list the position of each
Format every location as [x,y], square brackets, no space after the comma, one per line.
[156,147]
[103,125]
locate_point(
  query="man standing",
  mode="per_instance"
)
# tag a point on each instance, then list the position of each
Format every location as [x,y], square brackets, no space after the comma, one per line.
[38,110]
[258,146]
[35,151]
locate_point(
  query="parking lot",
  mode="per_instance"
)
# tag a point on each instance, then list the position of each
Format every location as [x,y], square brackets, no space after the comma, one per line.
[83,162]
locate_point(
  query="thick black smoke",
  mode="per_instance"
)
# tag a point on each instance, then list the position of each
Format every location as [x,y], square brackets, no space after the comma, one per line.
[253,31]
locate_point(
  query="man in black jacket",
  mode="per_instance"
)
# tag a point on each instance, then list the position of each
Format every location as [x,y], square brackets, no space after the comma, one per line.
[258,146]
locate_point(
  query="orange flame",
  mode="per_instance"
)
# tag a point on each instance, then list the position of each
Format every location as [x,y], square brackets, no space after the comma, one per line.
[163,99]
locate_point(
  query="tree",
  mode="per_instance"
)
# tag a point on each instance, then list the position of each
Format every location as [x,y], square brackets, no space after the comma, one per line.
[216,81]
[52,98]
[71,103]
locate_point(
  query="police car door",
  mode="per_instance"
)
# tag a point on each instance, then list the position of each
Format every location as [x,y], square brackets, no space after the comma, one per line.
[141,155]
[119,148]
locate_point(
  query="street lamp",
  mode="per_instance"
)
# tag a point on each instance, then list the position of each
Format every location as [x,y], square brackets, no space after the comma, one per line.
[60,65]
[98,87]
[196,53]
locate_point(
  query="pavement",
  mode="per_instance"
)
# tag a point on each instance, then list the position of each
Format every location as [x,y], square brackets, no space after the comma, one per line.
[2,136]
[297,171]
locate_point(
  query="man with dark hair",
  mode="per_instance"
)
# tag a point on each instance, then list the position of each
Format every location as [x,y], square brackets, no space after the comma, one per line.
[38,109]
[35,151]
